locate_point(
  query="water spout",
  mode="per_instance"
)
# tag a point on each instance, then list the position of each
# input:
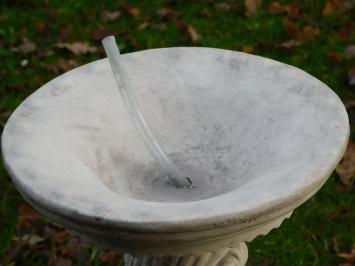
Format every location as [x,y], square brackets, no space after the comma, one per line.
[176,177]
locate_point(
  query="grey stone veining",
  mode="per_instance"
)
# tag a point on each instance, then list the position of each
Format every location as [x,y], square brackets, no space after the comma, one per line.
[257,136]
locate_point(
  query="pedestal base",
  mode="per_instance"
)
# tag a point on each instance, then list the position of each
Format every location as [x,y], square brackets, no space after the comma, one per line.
[236,256]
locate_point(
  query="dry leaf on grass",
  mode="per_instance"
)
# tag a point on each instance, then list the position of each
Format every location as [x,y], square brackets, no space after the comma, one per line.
[252,7]
[61,66]
[109,16]
[25,48]
[134,12]
[77,48]
[194,35]
[109,257]
[27,216]
[222,7]
[30,239]
[291,10]
[290,43]
[346,168]
[330,7]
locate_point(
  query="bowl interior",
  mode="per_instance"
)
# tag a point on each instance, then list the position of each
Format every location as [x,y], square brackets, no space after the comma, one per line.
[236,123]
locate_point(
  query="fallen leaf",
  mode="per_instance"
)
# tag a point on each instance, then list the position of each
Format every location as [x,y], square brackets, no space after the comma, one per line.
[143,26]
[351,76]
[25,48]
[168,14]
[195,36]
[134,12]
[330,7]
[61,237]
[27,216]
[40,27]
[30,239]
[109,257]
[350,257]
[275,8]
[290,43]
[100,34]
[334,56]
[346,168]
[77,48]
[350,52]
[349,104]
[61,65]
[309,34]
[222,7]
[291,28]
[109,16]
[248,49]
[252,7]
[292,11]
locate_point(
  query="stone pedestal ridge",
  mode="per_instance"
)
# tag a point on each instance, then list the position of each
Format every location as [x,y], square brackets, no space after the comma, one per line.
[236,256]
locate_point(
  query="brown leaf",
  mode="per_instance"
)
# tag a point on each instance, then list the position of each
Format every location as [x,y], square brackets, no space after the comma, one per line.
[330,7]
[350,257]
[27,216]
[100,34]
[334,56]
[61,65]
[61,237]
[252,7]
[349,104]
[309,34]
[109,16]
[248,49]
[143,26]
[134,12]
[30,239]
[292,11]
[109,257]
[222,7]
[77,48]
[291,28]
[290,43]
[275,8]
[346,168]
[194,35]
[25,48]
[351,76]
[40,27]
[168,13]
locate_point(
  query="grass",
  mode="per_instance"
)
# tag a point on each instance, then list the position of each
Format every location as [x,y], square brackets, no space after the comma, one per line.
[317,230]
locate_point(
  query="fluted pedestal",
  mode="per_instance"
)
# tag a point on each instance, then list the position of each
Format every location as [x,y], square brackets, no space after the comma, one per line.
[236,256]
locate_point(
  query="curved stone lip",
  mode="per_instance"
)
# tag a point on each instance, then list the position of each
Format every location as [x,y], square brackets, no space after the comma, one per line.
[182,224]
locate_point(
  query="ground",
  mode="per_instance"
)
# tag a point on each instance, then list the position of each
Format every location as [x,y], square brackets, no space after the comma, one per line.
[41,39]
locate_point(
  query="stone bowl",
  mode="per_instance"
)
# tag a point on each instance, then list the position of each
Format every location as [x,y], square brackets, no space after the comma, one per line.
[258,137]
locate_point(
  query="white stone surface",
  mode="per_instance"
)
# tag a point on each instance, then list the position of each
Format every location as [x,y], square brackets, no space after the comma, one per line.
[258,138]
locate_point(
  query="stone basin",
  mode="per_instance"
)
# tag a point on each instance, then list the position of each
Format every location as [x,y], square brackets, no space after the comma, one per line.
[257,137]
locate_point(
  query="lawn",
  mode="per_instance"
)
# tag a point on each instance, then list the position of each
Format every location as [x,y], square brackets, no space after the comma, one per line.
[39,40]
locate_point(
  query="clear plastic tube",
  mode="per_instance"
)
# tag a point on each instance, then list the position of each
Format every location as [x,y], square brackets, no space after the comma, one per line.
[169,168]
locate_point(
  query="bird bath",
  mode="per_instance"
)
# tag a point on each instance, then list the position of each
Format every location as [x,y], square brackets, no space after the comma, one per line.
[259,138]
